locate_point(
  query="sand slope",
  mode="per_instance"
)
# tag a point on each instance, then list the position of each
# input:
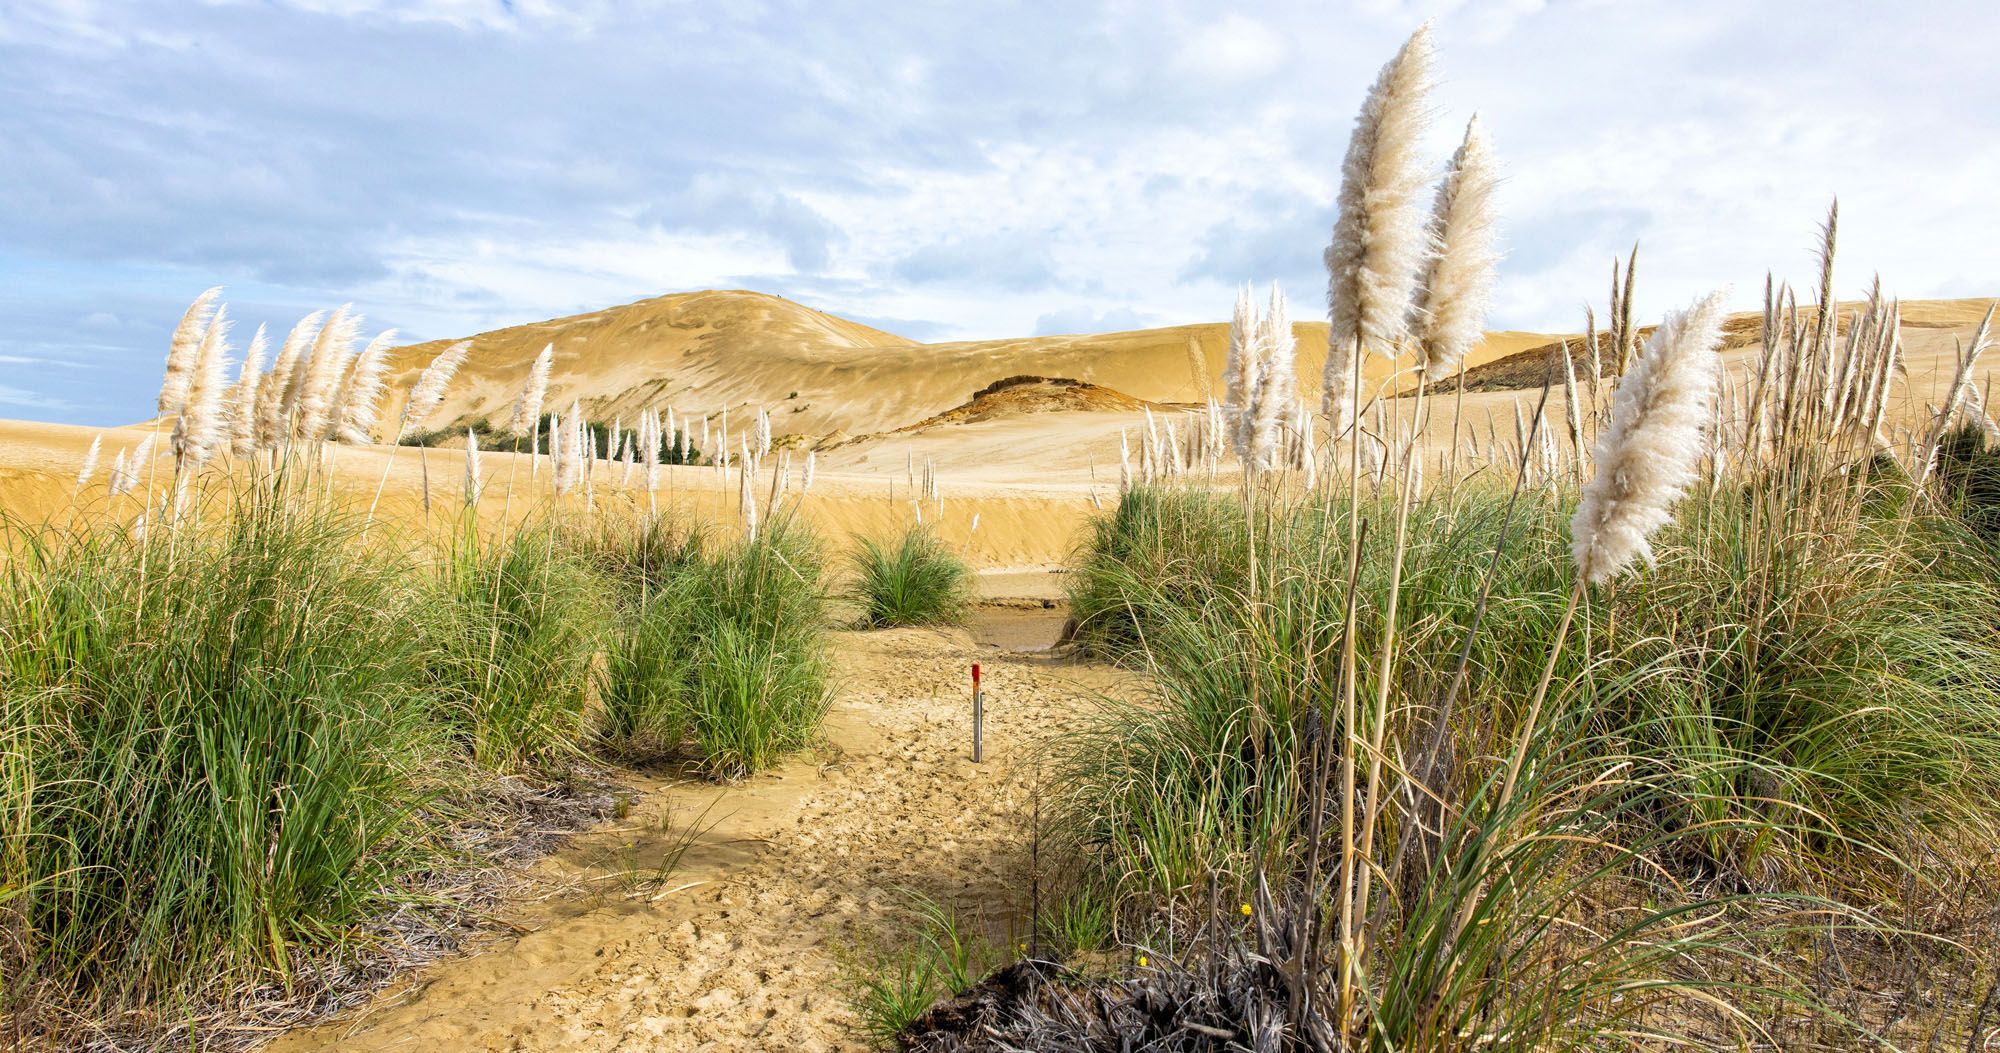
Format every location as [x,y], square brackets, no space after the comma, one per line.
[705,352]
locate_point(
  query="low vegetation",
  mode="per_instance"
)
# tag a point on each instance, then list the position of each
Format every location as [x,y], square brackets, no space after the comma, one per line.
[243,724]
[1668,723]
[913,578]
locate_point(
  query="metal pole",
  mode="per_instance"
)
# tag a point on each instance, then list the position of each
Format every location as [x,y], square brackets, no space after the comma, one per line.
[978,718]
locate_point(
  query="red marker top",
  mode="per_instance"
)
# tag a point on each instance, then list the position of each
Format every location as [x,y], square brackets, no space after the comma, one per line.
[975,674]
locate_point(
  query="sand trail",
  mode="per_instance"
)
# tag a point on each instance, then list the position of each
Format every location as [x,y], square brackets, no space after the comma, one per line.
[743,945]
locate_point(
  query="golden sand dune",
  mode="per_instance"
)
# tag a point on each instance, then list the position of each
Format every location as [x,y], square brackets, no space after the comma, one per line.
[822,376]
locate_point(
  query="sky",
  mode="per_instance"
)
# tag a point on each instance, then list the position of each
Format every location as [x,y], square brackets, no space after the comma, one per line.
[950,170]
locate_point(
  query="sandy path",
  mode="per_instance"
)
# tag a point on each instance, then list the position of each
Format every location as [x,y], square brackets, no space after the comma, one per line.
[800,866]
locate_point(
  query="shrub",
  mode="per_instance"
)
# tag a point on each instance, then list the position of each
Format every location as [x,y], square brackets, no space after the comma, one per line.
[914,579]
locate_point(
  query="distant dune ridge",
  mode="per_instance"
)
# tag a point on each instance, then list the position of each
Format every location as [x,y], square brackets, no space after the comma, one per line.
[705,351]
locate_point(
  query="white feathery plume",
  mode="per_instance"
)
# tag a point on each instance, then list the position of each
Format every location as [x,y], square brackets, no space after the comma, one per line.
[142,456]
[1457,279]
[429,389]
[806,483]
[323,371]
[182,350]
[1275,372]
[473,485]
[1575,406]
[649,452]
[528,408]
[89,467]
[763,433]
[1649,453]
[743,495]
[116,477]
[276,396]
[245,397]
[1124,461]
[1378,239]
[1240,373]
[360,403]
[555,440]
[203,425]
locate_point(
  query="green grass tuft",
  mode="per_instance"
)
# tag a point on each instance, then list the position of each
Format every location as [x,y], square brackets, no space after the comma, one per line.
[912,579]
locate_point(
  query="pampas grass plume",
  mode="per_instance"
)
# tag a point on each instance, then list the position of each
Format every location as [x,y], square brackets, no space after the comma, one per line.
[1649,453]
[429,389]
[319,373]
[1273,398]
[182,351]
[1457,280]
[89,467]
[528,411]
[1240,372]
[243,400]
[204,418]
[277,396]
[1378,239]
[472,483]
[361,394]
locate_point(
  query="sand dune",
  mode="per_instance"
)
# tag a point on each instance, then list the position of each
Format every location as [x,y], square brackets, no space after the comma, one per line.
[823,376]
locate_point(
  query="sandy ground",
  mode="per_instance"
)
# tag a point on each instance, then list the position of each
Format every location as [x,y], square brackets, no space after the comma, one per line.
[745,945]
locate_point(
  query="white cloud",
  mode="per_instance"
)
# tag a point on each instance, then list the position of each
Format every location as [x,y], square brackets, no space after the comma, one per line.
[1231,48]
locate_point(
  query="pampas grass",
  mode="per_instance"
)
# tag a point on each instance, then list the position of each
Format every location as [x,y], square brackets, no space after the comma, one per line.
[911,579]
[1378,239]
[430,387]
[183,349]
[1274,347]
[204,418]
[89,466]
[359,404]
[473,485]
[528,409]
[1239,377]
[243,400]
[1457,279]
[319,374]
[1647,457]
[277,396]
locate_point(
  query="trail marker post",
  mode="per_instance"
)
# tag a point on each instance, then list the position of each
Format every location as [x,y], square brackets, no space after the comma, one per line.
[978,718]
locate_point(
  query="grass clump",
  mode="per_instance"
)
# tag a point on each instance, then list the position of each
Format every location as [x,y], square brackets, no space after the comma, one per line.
[912,579]
[721,652]
[214,744]
[514,624]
